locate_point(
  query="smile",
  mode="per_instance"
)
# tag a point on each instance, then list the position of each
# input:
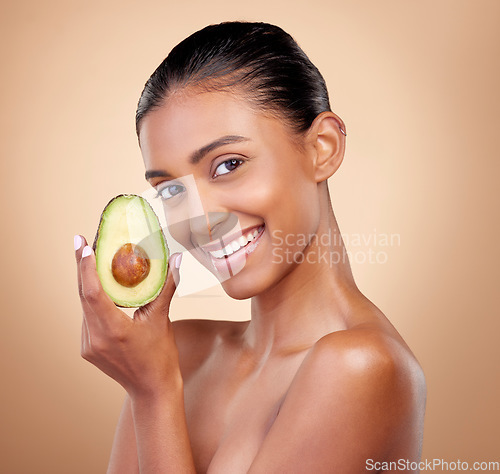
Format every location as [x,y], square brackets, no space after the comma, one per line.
[237,244]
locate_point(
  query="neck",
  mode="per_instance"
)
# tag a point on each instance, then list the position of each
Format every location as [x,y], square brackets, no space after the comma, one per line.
[311,301]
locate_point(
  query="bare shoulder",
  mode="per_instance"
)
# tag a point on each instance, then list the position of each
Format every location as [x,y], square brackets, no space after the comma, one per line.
[373,376]
[197,338]
[358,395]
[367,350]
[373,359]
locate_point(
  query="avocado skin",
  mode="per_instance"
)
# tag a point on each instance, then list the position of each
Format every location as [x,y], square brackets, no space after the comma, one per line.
[96,239]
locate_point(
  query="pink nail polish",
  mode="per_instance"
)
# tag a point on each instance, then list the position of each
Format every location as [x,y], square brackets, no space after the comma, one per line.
[86,251]
[78,241]
[178,261]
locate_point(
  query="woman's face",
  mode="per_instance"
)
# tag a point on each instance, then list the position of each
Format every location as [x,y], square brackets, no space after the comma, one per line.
[237,190]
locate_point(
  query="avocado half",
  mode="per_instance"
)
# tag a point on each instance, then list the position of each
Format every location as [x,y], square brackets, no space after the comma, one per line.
[131,251]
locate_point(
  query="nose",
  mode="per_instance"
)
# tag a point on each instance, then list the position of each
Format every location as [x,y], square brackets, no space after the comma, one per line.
[202,216]
[212,226]
[209,218]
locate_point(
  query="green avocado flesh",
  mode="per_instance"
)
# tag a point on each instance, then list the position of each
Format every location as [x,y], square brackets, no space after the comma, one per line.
[131,252]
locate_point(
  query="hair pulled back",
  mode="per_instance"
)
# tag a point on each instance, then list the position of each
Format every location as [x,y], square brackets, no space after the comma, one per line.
[259,59]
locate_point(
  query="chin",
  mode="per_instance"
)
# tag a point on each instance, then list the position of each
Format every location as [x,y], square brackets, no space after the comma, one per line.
[247,285]
[238,291]
[242,287]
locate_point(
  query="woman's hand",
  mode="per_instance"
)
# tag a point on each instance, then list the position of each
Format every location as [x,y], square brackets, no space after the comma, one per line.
[139,353]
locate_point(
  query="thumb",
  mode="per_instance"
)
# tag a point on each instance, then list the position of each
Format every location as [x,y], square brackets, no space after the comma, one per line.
[161,304]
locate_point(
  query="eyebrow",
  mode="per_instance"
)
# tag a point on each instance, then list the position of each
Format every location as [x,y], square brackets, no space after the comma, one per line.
[199,154]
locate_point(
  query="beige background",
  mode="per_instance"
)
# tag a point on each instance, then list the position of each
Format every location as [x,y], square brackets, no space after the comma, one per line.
[417,84]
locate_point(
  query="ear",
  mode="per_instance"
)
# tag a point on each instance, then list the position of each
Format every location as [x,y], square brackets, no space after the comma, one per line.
[327,136]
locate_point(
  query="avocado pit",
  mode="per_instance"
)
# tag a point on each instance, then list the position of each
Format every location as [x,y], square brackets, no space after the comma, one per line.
[130,265]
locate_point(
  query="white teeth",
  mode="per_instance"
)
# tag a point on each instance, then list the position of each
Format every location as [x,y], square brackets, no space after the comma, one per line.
[218,253]
[236,244]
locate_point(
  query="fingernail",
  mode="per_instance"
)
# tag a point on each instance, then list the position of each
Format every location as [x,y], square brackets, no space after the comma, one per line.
[178,261]
[86,251]
[78,241]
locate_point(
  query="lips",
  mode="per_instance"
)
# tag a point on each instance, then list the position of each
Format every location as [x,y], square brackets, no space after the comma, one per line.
[237,243]
[228,245]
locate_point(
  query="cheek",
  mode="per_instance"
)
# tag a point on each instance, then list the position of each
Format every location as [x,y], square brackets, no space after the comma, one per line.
[289,206]
[179,224]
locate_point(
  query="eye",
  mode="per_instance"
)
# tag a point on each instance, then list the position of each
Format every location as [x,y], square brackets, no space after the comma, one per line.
[227,166]
[169,191]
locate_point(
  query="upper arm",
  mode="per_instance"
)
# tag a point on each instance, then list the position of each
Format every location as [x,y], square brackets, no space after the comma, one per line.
[347,404]
[123,459]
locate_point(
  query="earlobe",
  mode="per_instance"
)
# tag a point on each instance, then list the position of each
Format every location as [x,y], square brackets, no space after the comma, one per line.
[328,134]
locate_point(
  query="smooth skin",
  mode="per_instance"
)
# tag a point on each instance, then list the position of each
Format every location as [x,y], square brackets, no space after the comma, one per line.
[318,381]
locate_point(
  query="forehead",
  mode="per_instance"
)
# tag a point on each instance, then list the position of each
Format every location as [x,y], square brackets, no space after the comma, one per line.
[187,121]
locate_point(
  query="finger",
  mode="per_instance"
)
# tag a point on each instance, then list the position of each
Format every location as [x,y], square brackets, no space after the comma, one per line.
[92,293]
[80,242]
[161,304]
[85,344]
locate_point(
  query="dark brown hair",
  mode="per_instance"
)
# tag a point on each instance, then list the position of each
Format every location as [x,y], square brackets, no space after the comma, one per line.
[258,58]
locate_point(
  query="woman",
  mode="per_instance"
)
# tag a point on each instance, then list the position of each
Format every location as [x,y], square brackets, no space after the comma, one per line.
[318,381]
